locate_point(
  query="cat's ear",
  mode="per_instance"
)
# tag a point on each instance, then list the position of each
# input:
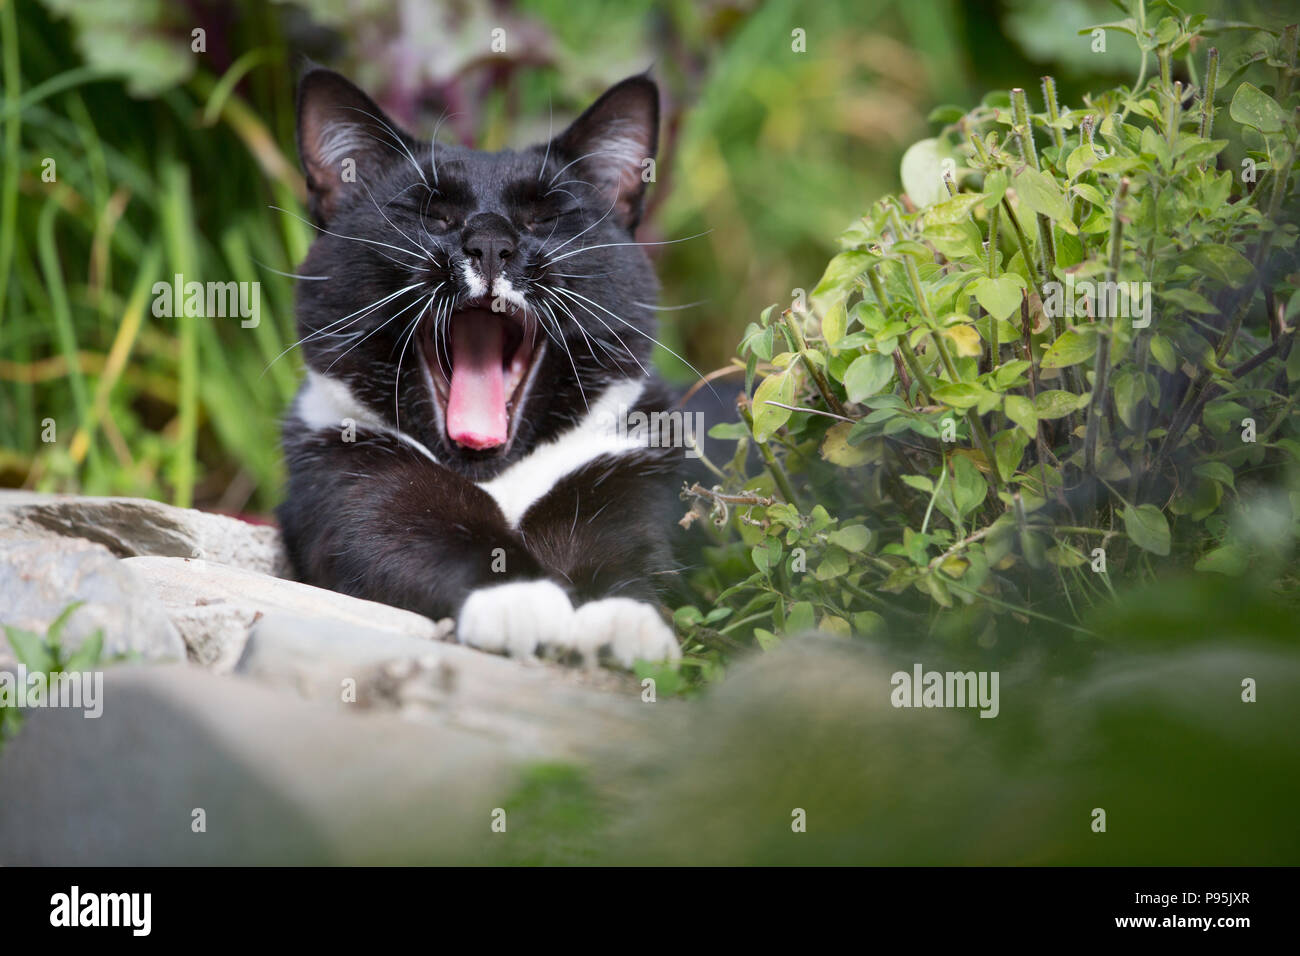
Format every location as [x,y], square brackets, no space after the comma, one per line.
[343,138]
[613,145]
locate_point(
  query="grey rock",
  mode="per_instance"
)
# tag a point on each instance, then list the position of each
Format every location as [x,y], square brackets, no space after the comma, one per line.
[131,527]
[535,709]
[279,781]
[214,605]
[40,577]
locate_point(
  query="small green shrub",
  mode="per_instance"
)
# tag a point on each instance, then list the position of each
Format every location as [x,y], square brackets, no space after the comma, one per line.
[954,420]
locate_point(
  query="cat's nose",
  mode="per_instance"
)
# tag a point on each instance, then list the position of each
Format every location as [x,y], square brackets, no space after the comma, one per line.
[489,241]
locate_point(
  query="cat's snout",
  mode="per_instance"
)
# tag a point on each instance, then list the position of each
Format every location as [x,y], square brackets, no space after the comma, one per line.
[489,242]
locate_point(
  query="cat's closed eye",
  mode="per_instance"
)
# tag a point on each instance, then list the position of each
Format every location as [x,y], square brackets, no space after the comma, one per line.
[545,220]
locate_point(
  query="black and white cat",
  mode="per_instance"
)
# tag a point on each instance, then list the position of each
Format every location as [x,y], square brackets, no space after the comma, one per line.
[476,326]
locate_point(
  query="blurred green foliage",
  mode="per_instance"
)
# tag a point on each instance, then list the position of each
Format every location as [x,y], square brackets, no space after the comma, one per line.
[1179,728]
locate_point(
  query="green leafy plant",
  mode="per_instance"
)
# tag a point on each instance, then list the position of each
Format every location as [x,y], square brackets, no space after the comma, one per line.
[46,654]
[1061,355]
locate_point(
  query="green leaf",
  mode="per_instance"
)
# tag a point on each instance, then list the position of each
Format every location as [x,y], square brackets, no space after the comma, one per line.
[955,240]
[54,633]
[834,564]
[1058,404]
[1190,301]
[1230,559]
[959,394]
[1220,262]
[1147,528]
[1129,389]
[30,649]
[922,172]
[1009,449]
[952,211]
[767,417]
[968,486]
[1251,106]
[1216,471]
[839,278]
[965,340]
[837,449]
[853,538]
[1203,151]
[88,654]
[1090,193]
[1080,160]
[868,375]
[1000,297]
[945,114]
[1021,411]
[867,623]
[834,322]
[1163,353]
[1041,193]
[1074,346]
[729,431]
[800,618]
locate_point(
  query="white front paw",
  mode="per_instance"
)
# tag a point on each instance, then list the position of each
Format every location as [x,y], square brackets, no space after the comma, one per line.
[631,629]
[516,618]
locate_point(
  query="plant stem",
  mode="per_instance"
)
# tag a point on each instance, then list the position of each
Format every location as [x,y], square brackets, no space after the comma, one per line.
[1025,134]
[1053,113]
[773,466]
[990,269]
[818,378]
[1101,374]
[909,356]
[1289,37]
[1207,100]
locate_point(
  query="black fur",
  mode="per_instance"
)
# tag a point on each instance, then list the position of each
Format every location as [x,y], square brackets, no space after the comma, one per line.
[374,517]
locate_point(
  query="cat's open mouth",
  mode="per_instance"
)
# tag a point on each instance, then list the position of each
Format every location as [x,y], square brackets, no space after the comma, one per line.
[480,369]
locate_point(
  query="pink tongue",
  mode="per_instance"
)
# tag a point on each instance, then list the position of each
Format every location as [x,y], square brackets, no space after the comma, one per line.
[476,407]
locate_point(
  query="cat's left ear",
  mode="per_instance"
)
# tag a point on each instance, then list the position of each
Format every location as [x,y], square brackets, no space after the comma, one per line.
[344,140]
[613,144]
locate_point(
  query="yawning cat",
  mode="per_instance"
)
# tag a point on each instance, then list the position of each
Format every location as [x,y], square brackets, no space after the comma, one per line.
[476,326]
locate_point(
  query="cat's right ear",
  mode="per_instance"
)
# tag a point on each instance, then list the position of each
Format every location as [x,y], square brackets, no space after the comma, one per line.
[343,138]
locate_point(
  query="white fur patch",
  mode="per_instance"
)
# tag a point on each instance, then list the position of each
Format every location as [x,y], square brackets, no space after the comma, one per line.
[633,630]
[516,618]
[503,289]
[325,403]
[473,281]
[527,480]
[339,140]
[523,618]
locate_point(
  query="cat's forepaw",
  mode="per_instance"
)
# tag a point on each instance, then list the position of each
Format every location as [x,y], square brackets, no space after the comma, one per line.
[632,630]
[516,618]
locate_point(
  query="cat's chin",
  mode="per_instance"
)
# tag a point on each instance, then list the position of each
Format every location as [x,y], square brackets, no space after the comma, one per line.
[480,370]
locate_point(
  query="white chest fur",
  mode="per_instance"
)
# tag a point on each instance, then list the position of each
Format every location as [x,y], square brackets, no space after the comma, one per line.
[328,403]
